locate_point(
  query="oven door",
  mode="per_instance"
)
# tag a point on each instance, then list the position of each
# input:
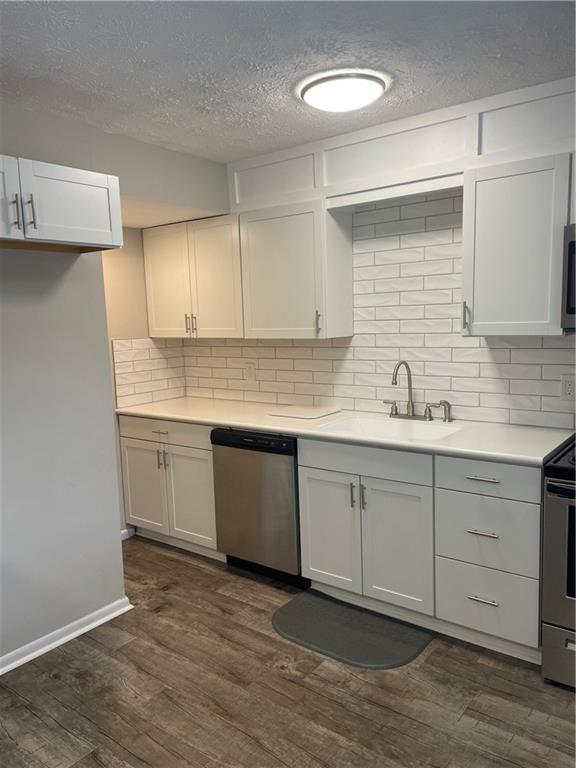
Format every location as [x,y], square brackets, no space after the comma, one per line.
[558,593]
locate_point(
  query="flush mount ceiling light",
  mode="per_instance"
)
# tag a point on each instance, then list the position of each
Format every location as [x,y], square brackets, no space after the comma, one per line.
[343,90]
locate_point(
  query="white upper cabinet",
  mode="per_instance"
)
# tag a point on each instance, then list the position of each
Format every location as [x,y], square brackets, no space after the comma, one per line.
[296,272]
[67,205]
[514,219]
[215,277]
[398,543]
[167,281]
[11,222]
[193,279]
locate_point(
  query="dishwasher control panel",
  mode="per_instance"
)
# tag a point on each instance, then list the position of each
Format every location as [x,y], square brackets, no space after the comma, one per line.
[255,441]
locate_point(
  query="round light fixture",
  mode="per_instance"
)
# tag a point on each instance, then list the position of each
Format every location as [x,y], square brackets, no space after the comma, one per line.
[343,90]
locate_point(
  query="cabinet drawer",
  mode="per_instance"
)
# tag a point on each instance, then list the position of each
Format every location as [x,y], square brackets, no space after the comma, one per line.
[496,533]
[158,430]
[499,604]
[489,478]
[371,462]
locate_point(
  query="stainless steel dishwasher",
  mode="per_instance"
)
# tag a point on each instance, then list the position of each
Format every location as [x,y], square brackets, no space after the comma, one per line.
[256,498]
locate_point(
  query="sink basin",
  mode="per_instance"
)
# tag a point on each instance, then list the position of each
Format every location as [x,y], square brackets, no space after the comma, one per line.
[384,427]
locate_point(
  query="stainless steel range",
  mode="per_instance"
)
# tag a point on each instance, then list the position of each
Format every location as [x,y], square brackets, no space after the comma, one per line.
[559,568]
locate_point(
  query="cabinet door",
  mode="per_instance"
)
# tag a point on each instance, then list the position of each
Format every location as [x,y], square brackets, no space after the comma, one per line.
[144,481]
[167,281]
[191,495]
[281,272]
[397,544]
[68,205]
[11,222]
[215,277]
[514,219]
[331,528]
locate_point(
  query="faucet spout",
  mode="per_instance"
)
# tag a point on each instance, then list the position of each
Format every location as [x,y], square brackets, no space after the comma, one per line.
[410,404]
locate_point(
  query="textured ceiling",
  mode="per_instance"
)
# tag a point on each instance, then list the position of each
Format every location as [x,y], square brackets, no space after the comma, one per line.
[216,79]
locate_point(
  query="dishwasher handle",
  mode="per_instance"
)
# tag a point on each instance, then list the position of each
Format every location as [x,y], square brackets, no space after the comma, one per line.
[254,441]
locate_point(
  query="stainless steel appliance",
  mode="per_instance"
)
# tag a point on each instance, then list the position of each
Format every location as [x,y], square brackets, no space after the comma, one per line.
[256,498]
[569,281]
[559,568]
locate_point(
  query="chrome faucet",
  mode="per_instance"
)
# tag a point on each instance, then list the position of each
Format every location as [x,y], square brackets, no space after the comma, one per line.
[427,415]
[410,404]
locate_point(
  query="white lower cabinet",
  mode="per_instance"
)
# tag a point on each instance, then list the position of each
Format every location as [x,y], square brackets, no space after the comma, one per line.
[168,488]
[398,544]
[368,536]
[331,528]
[145,496]
[191,495]
[497,603]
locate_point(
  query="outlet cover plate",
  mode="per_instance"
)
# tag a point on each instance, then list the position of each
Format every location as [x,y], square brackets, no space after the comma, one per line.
[567,386]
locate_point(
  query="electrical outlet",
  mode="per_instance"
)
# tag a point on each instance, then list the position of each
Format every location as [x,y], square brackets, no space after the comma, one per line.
[250,372]
[567,386]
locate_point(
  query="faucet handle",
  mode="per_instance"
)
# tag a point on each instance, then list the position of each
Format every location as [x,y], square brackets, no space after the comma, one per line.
[444,404]
[394,408]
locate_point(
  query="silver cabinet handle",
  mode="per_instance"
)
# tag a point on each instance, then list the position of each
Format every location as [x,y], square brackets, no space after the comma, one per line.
[16,202]
[464,316]
[317,317]
[159,458]
[362,496]
[483,479]
[487,534]
[194,324]
[352,496]
[482,600]
[30,202]
[165,455]
[160,431]
[188,328]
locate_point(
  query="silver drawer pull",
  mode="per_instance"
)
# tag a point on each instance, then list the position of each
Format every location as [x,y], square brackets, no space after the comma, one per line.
[482,600]
[483,479]
[570,646]
[160,431]
[487,534]
[352,497]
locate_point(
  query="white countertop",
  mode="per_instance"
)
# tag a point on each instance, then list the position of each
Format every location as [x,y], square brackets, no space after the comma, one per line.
[498,442]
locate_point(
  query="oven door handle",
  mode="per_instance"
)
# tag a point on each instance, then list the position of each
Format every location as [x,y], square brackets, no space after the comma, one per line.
[564,491]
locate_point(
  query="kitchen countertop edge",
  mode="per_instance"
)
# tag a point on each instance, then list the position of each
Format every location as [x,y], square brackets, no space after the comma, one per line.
[281,425]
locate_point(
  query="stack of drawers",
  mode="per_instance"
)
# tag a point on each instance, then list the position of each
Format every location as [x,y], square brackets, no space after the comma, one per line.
[487,528]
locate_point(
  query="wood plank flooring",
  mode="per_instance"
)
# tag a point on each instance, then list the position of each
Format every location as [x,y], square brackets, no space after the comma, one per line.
[196,677]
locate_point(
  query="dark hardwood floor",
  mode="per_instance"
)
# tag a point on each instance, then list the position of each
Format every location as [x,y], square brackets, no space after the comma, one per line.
[196,677]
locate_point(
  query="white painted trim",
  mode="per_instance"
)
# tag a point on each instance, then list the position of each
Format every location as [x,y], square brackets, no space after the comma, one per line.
[196,549]
[127,533]
[397,190]
[60,636]
[533,655]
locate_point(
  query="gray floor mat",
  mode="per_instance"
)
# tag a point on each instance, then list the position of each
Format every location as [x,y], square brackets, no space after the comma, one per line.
[347,633]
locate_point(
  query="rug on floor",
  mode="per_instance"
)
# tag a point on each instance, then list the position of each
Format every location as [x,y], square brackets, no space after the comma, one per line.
[348,633]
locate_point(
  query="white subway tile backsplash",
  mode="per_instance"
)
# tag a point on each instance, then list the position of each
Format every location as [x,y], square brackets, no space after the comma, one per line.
[407,305]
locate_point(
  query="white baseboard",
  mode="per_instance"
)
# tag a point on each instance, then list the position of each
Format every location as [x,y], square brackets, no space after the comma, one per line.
[63,635]
[473,636]
[127,533]
[196,549]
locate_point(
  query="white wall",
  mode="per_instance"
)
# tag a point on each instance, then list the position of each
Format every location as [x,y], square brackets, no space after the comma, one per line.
[125,288]
[60,552]
[157,185]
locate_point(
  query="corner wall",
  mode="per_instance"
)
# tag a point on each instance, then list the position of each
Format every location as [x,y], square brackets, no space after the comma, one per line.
[60,552]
